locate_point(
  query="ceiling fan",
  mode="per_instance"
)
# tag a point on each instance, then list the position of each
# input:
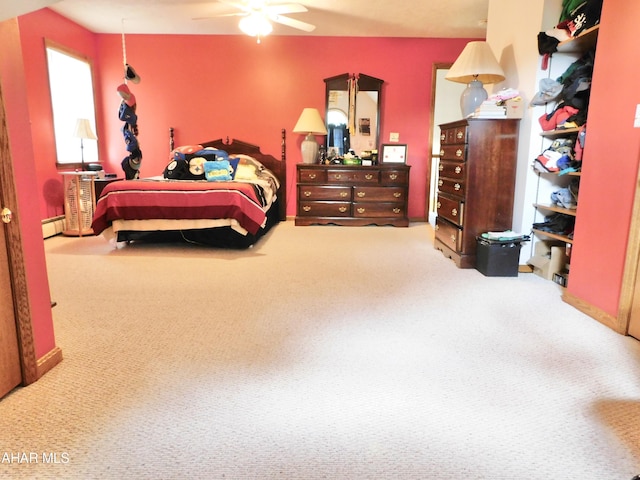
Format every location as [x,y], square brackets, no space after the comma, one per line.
[256,16]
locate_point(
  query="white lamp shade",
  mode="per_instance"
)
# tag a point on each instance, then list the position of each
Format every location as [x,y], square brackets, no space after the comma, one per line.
[310,121]
[476,62]
[83,130]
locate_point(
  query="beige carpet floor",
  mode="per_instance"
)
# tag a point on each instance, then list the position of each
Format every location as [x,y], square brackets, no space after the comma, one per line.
[320,353]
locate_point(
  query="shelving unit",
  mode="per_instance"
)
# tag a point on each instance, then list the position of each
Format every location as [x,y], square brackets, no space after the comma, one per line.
[572,49]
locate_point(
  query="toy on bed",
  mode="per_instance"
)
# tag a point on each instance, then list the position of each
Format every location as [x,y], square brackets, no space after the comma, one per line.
[217,193]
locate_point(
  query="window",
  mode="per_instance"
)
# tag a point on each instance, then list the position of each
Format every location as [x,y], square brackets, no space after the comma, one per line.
[71,86]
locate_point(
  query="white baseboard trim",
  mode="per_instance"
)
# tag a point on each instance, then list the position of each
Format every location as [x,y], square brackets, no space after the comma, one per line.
[52,226]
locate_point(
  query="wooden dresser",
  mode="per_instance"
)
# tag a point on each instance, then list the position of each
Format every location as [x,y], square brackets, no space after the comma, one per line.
[476,182]
[352,195]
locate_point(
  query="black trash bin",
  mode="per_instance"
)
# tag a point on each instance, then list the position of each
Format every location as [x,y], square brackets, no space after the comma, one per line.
[498,258]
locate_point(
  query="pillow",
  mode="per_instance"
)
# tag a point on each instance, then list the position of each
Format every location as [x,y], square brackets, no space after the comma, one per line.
[176,169]
[245,172]
[181,152]
[217,171]
[195,168]
[247,167]
[209,151]
[233,166]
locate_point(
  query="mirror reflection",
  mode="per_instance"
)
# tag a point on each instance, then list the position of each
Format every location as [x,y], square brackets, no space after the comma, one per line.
[352,115]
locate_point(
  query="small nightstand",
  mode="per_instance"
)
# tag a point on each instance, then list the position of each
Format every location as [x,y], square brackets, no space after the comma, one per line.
[100,183]
[79,200]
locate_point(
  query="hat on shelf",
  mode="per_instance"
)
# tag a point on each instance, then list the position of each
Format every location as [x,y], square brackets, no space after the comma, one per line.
[549,91]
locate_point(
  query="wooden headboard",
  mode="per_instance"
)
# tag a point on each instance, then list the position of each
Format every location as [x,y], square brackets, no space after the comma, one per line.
[277,166]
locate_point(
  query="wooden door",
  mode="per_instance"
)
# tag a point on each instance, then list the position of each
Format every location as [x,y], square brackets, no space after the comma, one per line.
[634,318]
[10,370]
[628,320]
[10,366]
[18,363]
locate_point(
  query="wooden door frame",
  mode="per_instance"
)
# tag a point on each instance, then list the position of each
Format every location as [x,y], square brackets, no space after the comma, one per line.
[432,115]
[15,253]
[630,272]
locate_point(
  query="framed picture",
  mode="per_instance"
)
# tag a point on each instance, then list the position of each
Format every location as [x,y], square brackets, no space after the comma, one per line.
[394,153]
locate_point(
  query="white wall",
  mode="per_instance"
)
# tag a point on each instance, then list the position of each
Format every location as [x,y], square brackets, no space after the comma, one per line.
[512,32]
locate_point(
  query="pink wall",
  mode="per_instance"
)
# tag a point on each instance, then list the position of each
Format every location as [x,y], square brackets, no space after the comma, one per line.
[12,77]
[212,86]
[34,28]
[608,182]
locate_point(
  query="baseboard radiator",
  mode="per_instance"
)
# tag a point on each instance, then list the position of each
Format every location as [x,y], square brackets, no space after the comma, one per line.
[52,226]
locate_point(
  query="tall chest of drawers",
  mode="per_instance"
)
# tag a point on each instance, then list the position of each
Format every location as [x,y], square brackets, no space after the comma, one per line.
[352,195]
[476,182]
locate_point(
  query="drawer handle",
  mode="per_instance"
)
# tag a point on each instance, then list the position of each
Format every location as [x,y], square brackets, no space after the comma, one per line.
[458,169]
[368,176]
[459,135]
[441,167]
[440,183]
[344,194]
[312,176]
[438,205]
[361,194]
[396,210]
[306,208]
[456,187]
[397,194]
[442,151]
[338,176]
[458,153]
[442,136]
[361,210]
[453,239]
[393,176]
[342,209]
[454,212]
[307,194]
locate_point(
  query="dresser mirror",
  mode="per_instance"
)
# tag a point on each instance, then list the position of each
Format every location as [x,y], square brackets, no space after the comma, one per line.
[352,114]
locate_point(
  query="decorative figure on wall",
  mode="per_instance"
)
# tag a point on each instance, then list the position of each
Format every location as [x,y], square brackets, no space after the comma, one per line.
[127,113]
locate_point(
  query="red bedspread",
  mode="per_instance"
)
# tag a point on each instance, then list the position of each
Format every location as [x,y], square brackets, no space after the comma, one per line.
[167,199]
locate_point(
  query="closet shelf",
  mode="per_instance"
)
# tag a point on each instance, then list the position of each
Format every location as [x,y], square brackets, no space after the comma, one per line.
[583,42]
[557,209]
[562,238]
[562,132]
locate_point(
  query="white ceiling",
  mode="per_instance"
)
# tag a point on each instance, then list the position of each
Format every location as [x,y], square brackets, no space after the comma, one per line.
[379,18]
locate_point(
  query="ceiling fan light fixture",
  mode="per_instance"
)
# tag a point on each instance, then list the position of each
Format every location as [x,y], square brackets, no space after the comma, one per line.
[255,25]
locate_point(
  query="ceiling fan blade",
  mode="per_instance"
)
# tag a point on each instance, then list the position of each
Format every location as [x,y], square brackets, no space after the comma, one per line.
[285,8]
[222,15]
[290,22]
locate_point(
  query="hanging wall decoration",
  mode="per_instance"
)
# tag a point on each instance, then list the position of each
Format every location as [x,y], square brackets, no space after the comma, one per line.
[128,114]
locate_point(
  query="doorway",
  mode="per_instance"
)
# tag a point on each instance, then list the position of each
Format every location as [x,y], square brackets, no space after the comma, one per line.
[445,107]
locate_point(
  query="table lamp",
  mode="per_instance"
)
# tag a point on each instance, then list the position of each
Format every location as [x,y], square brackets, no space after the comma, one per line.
[475,66]
[83,131]
[310,123]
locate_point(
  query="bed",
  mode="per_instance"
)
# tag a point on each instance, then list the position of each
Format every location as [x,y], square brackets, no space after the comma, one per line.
[227,213]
